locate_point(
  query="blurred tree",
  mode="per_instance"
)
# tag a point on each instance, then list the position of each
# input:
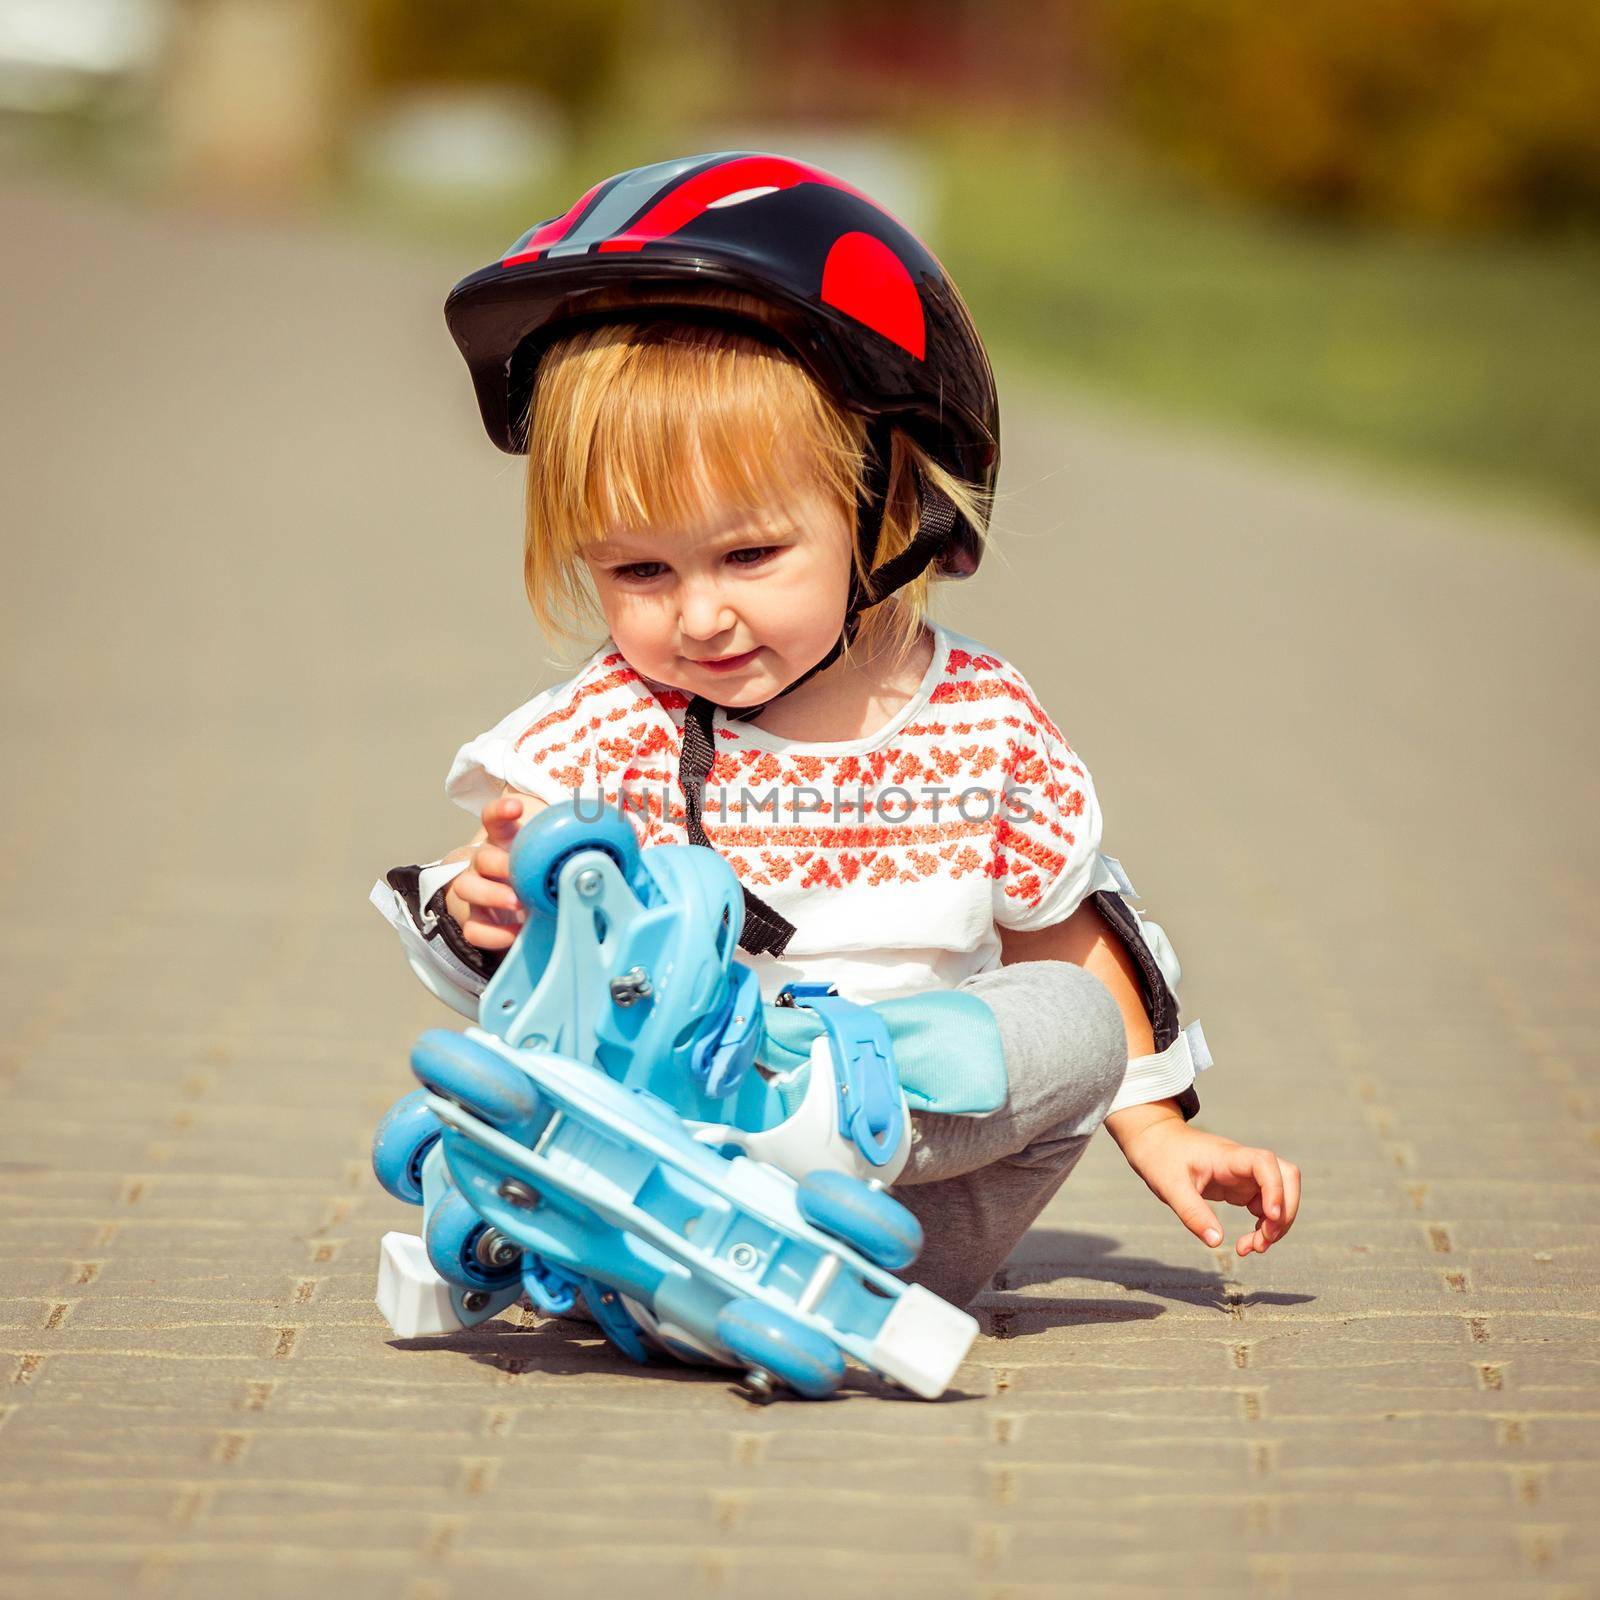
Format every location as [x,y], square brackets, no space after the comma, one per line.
[890,60]
[1450,113]
[569,50]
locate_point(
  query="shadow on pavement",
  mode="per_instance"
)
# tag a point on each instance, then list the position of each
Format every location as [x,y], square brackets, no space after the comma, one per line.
[1049,1255]
[558,1347]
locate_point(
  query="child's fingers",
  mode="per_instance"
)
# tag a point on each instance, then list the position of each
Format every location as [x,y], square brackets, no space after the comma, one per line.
[501,819]
[1291,1193]
[1277,1205]
[490,861]
[1196,1216]
[1243,1174]
[488,935]
[479,891]
[1261,1168]
[1267,1231]
[1269,1180]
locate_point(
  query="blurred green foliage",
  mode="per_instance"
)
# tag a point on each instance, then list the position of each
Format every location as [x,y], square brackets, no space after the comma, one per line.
[1472,356]
[1460,114]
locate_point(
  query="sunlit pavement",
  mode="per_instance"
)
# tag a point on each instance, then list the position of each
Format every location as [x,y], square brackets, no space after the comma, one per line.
[263,577]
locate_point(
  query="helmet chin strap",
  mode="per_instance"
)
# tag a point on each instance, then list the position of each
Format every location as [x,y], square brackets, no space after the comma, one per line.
[765,930]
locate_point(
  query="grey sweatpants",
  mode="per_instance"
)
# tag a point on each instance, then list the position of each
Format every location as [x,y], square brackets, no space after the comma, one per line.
[977,1183]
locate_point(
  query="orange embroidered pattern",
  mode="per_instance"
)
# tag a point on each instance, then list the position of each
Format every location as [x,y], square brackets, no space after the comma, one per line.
[979,783]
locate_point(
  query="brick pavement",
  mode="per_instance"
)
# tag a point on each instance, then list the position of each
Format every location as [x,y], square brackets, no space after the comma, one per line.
[262,579]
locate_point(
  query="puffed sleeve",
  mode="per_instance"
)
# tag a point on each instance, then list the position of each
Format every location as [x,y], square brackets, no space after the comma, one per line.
[1047,831]
[515,751]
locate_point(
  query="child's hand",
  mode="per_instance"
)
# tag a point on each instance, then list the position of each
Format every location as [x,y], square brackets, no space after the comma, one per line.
[1185,1167]
[481,899]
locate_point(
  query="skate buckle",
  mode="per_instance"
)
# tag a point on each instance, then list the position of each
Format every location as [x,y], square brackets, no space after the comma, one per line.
[869,1091]
[550,1289]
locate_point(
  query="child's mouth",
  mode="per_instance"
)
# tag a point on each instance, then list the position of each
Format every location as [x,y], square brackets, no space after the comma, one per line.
[729,663]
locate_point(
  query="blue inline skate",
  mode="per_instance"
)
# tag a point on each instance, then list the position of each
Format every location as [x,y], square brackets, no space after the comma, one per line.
[604,1131]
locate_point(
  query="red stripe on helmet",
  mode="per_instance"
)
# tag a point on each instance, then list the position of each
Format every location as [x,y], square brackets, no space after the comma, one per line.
[694,195]
[552,232]
[865,279]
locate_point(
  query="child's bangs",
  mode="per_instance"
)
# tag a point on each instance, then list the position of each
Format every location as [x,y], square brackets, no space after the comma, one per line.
[656,423]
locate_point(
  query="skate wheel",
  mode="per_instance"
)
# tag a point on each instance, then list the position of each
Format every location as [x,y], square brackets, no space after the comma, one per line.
[867,1219]
[407,1133]
[476,1077]
[770,1342]
[557,834]
[454,1235]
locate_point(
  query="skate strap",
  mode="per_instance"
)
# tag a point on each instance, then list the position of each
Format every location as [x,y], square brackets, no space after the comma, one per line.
[724,1053]
[869,1093]
[944,1043]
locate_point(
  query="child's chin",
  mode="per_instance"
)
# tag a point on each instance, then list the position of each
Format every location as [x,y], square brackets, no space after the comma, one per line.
[736,694]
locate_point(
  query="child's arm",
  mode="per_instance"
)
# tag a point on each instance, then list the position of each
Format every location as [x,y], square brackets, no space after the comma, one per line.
[1182,1165]
[1085,941]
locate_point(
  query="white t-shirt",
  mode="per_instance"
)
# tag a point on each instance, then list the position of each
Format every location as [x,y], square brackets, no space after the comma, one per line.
[897,856]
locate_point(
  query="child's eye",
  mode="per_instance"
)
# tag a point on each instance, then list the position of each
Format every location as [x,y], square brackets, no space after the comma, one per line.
[752,555]
[640,571]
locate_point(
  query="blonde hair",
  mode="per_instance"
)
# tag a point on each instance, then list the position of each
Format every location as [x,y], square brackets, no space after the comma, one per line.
[619,410]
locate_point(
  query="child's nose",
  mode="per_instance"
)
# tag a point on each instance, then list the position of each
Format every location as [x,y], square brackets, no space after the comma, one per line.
[702,611]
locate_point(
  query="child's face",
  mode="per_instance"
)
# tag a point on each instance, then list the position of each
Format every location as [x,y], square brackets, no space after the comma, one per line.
[764,594]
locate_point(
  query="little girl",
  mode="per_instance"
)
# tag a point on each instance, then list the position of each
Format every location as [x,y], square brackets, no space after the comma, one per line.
[759,422]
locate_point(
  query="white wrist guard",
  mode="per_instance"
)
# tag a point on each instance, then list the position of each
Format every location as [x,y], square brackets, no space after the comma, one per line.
[412,902]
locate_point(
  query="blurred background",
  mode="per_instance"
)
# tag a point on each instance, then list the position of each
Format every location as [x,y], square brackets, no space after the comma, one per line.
[1372,225]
